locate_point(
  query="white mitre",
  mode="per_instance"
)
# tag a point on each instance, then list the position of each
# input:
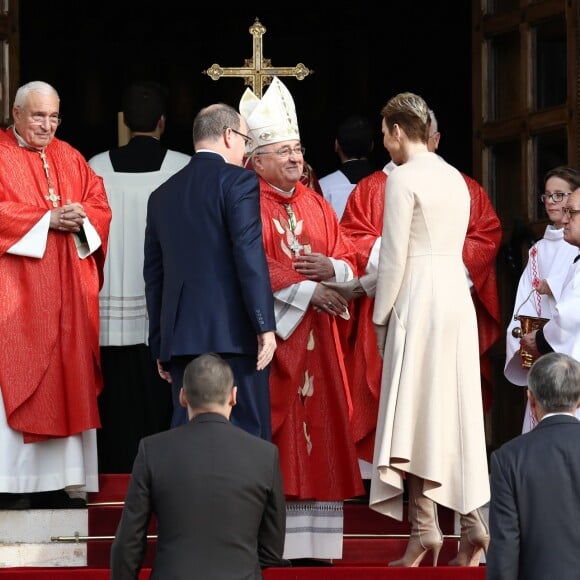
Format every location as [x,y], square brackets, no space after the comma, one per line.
[272,118]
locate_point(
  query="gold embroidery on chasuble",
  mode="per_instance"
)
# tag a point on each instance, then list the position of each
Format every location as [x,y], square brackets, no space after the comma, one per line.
[307,390]
[293,243]
[307,438]
[293,240]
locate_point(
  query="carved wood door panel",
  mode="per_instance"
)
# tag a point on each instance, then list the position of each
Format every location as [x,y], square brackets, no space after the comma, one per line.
[526,84]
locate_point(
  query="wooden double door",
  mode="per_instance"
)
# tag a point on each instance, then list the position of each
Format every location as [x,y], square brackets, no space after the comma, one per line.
[526,86]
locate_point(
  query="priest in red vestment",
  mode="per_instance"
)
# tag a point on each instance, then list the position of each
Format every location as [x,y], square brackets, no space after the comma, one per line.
[309,391]
[362,222]
[54,224]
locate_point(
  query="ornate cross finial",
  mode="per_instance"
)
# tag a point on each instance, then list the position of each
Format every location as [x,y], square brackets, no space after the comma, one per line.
[258,71]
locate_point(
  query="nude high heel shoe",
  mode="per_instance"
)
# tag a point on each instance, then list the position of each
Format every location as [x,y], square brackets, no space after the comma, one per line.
[474,539]
[425,533]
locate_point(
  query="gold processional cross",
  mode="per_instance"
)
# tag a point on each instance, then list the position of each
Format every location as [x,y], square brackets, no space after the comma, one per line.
[258,71]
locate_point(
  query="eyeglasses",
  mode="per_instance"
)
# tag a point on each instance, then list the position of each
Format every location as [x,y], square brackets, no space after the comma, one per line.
[569,212]
[38,119]
[285,152]
[247,140]
[557,196]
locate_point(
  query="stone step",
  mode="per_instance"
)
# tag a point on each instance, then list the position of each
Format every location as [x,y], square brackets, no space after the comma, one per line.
[27,537]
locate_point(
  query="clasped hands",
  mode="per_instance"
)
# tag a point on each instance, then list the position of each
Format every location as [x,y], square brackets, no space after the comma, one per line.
[318,267]
[314,266]
[68,218]
[325,299]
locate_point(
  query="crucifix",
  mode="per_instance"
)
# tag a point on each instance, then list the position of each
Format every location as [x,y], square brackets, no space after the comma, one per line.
[258,71]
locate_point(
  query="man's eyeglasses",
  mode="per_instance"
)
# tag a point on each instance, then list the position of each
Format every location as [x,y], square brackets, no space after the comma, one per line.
[247,140]
[557,196]
[285,152]
[569,212]
[38,119]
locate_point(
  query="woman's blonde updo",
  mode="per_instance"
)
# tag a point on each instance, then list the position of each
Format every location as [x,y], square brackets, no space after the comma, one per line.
[411,113]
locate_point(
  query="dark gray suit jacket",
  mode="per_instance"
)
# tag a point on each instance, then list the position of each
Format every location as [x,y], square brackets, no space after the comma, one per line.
[216,492]
[535,504]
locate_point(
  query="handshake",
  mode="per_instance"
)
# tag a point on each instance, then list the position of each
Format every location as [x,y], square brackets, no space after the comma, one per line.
[348,290]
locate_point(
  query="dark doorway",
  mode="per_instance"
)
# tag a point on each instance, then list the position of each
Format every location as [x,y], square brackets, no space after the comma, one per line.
[360,57]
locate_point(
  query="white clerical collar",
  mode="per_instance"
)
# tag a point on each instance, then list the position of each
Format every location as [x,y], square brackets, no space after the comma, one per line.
[21,142]
[282,191]
[553,233]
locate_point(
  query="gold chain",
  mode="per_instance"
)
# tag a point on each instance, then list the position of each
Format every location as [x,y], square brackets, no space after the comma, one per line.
[52,196]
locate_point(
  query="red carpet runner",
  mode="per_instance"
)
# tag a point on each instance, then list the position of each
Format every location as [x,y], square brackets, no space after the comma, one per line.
[341,573]
[366,550]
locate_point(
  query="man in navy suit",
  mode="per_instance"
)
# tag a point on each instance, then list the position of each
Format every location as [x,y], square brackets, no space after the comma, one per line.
[207,283]
[535,483]
[215,490]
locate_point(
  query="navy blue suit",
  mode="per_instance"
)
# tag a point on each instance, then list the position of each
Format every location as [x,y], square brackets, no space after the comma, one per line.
[534,512]
[207,283]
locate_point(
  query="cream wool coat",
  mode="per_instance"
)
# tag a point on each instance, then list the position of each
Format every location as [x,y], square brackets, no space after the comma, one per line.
[430,420]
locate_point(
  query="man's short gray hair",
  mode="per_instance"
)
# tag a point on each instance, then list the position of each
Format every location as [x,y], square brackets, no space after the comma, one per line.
[554,379]
[33,87]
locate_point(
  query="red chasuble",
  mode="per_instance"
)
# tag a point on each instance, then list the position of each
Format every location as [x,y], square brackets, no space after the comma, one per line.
[49,308]
[362,222]
[308,386]
[479,254]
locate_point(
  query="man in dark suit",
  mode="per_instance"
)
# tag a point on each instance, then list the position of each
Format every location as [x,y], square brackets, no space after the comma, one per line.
[207,283]
[215,490]
[535,483]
